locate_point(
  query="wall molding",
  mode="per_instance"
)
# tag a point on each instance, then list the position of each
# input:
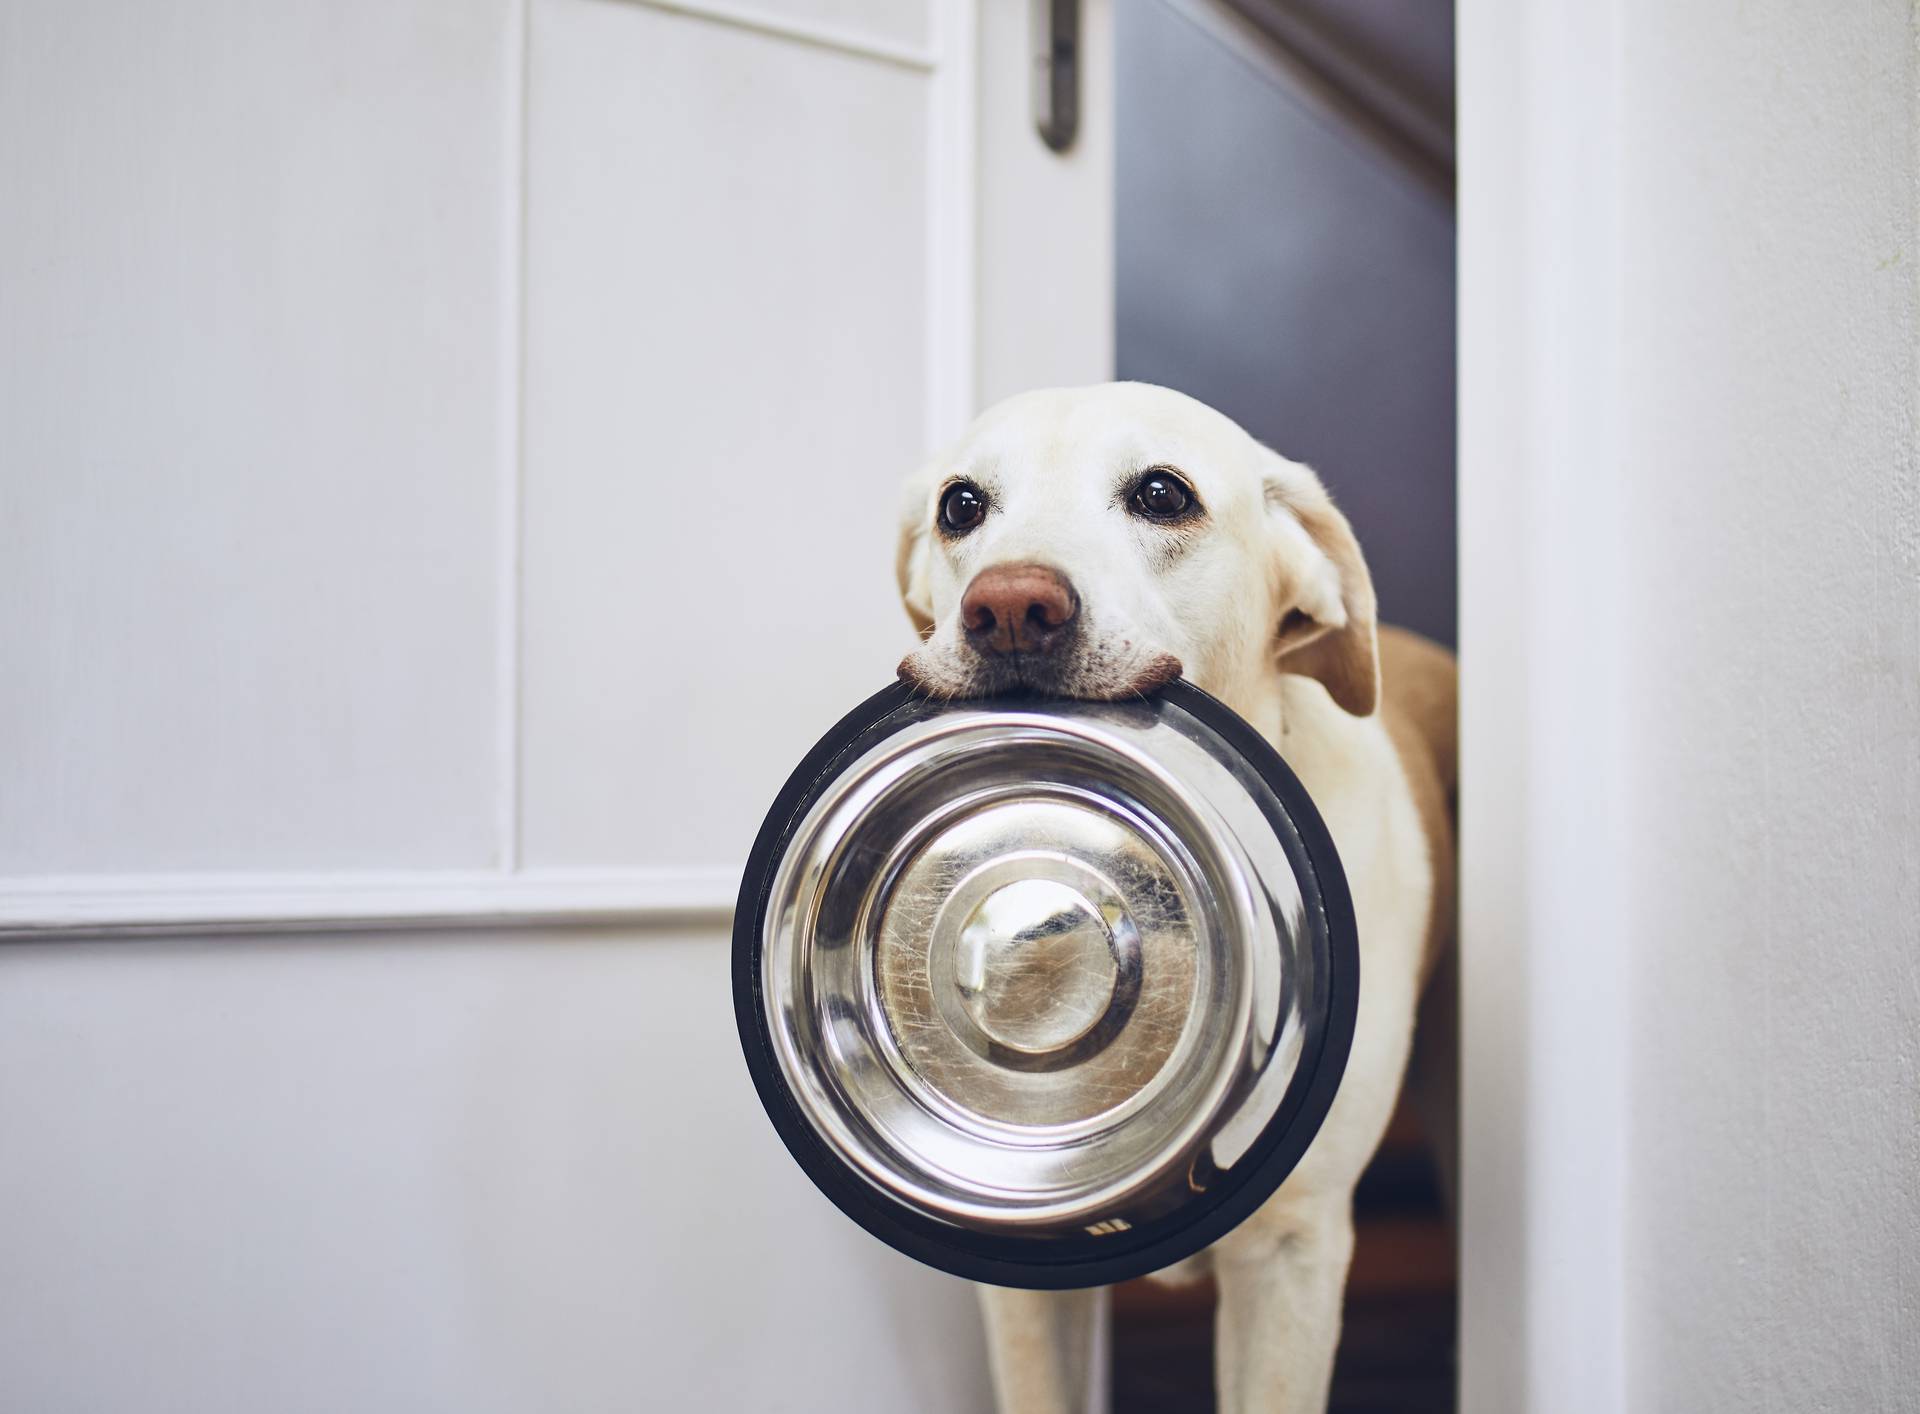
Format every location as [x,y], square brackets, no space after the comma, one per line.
[510,486]
[821,36]
[953,217]
[163,905]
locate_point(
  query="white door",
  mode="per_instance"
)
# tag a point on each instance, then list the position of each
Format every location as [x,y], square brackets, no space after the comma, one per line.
[448,456]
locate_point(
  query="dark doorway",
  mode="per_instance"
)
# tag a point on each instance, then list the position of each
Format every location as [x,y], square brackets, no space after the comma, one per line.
[1285,252]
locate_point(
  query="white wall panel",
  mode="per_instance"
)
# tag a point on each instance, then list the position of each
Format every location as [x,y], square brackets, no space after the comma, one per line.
[424,1173]
[726,380]
[254,323]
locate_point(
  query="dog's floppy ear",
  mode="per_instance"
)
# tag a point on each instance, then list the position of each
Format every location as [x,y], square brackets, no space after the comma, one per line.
[910,569]
[1326,628]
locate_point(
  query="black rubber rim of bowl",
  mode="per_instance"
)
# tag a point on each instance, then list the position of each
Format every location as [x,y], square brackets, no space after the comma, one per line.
[1055,1262]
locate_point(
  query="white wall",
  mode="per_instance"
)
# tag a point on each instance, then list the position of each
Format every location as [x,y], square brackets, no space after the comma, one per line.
[1690,511]
[448,457]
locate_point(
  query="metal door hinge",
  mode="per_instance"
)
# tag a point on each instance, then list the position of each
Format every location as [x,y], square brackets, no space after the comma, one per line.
[1056,72]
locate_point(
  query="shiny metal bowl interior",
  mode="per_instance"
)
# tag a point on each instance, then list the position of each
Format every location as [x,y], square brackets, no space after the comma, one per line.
[1039,970]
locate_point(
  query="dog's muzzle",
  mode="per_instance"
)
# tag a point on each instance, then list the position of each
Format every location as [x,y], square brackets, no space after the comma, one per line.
[1045,994]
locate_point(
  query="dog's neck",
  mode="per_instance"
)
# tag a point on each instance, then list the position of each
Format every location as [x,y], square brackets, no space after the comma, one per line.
[1261,697]
[1298,720]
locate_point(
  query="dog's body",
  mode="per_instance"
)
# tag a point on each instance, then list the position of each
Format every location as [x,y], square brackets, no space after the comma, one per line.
[1096,542]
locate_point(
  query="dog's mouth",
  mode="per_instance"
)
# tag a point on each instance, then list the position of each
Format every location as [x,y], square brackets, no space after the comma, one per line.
[1110,672]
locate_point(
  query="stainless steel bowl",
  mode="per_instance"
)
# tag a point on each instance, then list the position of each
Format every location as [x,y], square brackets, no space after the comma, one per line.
[1045,993]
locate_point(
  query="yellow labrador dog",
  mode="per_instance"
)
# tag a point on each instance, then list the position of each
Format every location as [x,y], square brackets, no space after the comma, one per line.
[1096,542]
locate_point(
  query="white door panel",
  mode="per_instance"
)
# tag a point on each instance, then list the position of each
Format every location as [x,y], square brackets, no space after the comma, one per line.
[255,331]
[452,451]
[726,378]
[406,1173]
[448,461]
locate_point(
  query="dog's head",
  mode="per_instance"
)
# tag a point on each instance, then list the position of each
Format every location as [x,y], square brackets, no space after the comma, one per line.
[1097,542]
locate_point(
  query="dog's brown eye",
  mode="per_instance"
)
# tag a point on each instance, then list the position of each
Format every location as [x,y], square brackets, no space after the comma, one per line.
[962,508]
[1160,495]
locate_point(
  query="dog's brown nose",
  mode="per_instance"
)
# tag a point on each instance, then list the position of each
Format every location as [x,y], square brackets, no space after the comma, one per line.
[1018,609]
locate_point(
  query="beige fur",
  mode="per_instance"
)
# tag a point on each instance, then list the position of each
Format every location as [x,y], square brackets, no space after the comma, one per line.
[1266,602]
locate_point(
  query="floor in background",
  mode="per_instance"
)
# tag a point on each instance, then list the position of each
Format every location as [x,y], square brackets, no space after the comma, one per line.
[1397,1343]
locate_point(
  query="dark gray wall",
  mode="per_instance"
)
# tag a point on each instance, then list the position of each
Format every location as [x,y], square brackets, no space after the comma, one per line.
[1276,263]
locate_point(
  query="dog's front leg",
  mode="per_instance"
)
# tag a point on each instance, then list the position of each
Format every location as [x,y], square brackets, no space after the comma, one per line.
[1044,1347]
[1278,1320]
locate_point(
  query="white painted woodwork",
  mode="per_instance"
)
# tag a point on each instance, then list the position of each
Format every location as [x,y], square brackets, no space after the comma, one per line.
[259,903]
[490,1174]
[818,209]
[726,381]
[256,334]
[1690,519]
[386,392]
[903,28]
[576,590]
[1045,263]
